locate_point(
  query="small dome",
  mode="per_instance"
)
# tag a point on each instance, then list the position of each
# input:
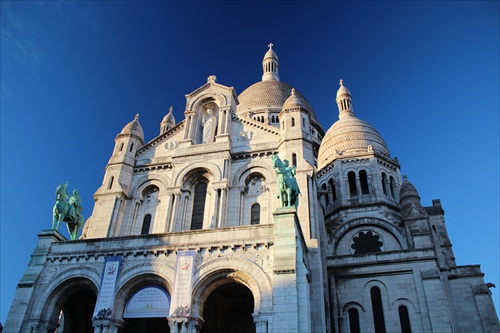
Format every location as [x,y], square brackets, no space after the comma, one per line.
[295,101]
[408,194]
[169,117]
[270,53]
[134,128]
[343,91]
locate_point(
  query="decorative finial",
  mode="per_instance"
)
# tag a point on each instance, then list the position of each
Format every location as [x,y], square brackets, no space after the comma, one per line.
[136,117]
[171,109]
[341,82]
[271,45]
[405,177]
[293,91]
[212,78]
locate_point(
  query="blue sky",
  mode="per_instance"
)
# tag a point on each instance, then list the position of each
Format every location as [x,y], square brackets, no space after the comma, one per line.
[424,74]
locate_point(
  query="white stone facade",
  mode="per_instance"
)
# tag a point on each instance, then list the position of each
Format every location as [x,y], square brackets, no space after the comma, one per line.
[358,254]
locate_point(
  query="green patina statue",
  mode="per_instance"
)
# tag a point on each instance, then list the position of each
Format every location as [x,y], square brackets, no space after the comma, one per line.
[288,189]
[67,209]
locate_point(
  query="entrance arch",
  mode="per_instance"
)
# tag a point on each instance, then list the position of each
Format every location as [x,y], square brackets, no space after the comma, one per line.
[229,309]
[73,310]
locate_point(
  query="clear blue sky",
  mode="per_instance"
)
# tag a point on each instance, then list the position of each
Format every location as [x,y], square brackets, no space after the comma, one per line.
[424,74]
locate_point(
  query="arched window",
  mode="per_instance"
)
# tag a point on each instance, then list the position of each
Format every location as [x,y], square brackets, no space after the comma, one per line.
[353,320]
[377,309]
[255,214]
[404,319]
[363,179]
[146,224]
[384,183]
[293,122]
[327,200]
[334,191]
[294,159]
[392,186]
[200,194]
[351,177]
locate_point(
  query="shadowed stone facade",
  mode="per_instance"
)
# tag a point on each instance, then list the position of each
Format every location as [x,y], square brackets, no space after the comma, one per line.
[358,254]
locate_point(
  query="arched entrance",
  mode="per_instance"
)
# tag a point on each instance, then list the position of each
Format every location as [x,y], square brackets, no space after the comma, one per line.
[74,309]
[229,309]
[146,311]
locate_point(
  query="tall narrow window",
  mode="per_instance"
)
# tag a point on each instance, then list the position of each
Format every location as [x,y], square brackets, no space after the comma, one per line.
[111,182]
[255,214]
[363,179]
[121,146]
[378,311]
[131,147]
[294,159]
[200,194]
[392,186]
[334,192]
[351,177]
[146,224]
[384,183]
[293,122]
[404,319]
[303,122]
[327,200]
[353,320]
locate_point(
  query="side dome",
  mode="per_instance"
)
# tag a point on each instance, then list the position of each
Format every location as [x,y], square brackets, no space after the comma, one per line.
[134,128]
[269,95]
[349,136]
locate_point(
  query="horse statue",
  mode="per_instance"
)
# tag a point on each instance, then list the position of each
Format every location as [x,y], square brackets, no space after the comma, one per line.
[69,210]
[288,189]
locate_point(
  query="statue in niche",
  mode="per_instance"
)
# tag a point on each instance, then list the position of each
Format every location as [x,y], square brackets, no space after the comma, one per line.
[209,126]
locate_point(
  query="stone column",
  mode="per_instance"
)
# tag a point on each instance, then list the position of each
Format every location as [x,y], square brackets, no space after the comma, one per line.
[261,324]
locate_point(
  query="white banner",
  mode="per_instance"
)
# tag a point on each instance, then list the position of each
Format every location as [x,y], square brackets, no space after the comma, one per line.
[106,296]
[148,302]
[183,285]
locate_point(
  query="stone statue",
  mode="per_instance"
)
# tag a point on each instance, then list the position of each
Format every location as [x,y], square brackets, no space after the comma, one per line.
[209,126]
[288,189]
[69,210]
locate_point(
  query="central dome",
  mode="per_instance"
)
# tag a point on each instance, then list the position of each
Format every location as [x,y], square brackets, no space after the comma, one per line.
[268,95]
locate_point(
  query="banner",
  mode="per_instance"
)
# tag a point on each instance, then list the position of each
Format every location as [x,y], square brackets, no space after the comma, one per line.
[148,302]
[183,285]
[106,295]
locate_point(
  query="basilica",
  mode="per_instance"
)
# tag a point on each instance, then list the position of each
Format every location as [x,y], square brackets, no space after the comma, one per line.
[200,230]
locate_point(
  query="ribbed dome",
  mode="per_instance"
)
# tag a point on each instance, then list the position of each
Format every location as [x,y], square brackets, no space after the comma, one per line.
[349,136]
[295,101]
[408,194]
[169,117]
[269,94]
[134,127]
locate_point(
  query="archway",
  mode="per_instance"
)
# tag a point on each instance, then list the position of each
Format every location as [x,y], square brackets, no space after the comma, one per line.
[229,309]
[147,310]
[76,312]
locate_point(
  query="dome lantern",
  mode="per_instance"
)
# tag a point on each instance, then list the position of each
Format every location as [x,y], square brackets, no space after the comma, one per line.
[270,65]
[344,101]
